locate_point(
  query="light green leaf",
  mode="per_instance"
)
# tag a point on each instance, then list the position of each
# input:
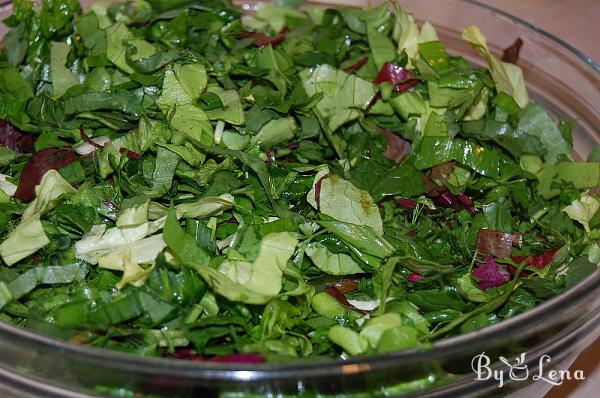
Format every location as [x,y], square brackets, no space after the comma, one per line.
[183,245]
[345,95]
[382,48]
[583,209]
[13,85]
[47,194]
[133,211]
[164,170]
[27,238]
[232,111]
[469,290]
[362,237]
[348,339]
[193,122]
[182,85]
[582,175]
[264,275]
[205,207]
[405,32]
[101,242]
[507,77]
[331,263]
[187,153]
[428,33]
[535,121]
[397,338]
[341,200]
[118,38]
[373,329]
[272,16]
[62,78]
[275,132]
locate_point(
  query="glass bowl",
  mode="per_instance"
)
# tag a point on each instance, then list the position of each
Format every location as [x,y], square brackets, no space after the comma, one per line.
[559,76]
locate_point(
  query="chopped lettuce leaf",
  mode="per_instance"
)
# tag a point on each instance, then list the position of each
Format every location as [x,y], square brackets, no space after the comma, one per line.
[118,39]
[331,263]
[50,190]
[62,78]
[582,175]
[345,95]
[352,342]
[535,121]
[405,32]
[507,77]
[258,281]
[340,199]
[100,242]
[232,111]
[583,209]
[275,132]
[27,238]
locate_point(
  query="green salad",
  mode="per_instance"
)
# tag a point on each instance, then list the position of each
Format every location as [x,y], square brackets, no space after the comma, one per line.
[182,179]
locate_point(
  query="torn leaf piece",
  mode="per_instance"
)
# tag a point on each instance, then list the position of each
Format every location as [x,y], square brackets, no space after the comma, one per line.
[496,243]
[340,199]
[100,242]
[491,274]
[583,209]
[331,263]
[263,276]
[507,77]
[345,95]
[27,238]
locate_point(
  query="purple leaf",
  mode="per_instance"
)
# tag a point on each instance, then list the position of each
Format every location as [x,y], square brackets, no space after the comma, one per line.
[401,78]
[441,196]
[414,277]
[15,139]
[37,166]
[491,274]
[397,149]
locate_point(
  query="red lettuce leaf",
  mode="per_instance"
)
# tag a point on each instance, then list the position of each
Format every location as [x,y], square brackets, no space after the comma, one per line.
[341,298]
[15,139]
[346,285]
[407,203]
[496,243]
[540,261]
[441,196]
[511,53]
[414,277]
[37,166]
[401,78]
[261,39]
[397,149]
[491,274]
[130,154]
[357,65]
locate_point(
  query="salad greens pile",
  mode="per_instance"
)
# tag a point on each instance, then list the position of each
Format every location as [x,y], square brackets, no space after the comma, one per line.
[180,179]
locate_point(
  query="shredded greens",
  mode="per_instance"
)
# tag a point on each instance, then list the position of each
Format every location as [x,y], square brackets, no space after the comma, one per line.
[182,180]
